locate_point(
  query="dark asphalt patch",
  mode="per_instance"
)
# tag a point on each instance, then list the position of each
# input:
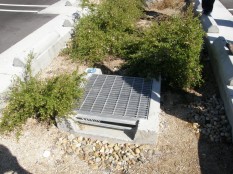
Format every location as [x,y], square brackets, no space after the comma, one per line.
[29,2]
[16,26]
[22,8]
[228,4]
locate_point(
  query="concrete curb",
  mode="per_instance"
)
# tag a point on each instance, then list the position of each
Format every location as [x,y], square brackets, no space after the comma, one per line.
[39,48]
[209,24]
[70,3]
[222,68]
[64,7]
[221,60]
[45,43]
[68,23]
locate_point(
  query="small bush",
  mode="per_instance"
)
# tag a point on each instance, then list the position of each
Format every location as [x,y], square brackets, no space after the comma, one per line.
[100,33]
[43,100]
[171,48]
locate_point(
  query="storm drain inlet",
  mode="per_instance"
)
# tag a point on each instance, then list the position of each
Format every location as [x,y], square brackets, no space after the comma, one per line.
[115,99]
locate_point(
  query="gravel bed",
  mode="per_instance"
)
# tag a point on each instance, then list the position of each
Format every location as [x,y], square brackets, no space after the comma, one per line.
[209,118]
[105,155]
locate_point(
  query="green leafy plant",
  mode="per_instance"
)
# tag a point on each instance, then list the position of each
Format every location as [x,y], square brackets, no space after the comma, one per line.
[100,33]
[170,48]
[43,100]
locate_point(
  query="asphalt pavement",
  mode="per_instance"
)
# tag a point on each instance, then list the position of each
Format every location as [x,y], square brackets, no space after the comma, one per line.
[228,4]
[19,18]
[29,2]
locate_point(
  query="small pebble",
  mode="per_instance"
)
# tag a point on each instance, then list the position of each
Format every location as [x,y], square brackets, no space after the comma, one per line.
[137,151]
[46,154]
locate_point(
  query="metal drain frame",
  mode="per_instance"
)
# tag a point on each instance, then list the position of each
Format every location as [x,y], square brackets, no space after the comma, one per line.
[125,100]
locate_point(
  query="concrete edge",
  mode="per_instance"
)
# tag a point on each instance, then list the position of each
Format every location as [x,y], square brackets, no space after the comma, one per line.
[69,125]
[222,58]
[70,3]
[147,130]
[64,7]
[209,24]
[45,58]
[225,91]
[49,39]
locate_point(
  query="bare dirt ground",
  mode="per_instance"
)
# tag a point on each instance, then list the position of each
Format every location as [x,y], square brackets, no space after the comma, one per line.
[179,149]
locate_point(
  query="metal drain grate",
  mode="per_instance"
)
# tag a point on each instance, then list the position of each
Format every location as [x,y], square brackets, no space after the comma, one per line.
[115,99]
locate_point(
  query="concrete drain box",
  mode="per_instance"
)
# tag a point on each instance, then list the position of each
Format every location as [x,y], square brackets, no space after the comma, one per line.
[117,107]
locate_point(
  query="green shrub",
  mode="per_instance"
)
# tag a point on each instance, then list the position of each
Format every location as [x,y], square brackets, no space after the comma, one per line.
[100,33]
[171,48]
[43,100]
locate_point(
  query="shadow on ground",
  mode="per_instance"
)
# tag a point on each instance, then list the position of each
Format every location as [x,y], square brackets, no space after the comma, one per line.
[214,157]
[9,163]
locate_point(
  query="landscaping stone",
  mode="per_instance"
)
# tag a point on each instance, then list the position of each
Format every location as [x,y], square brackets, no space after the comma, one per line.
[208,117]
[103,154]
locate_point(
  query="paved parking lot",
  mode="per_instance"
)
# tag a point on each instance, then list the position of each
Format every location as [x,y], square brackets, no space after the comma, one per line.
[29,2]
[228,4]
[19,18]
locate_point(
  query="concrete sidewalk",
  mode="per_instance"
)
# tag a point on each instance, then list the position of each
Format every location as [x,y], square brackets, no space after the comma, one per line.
[219,29]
